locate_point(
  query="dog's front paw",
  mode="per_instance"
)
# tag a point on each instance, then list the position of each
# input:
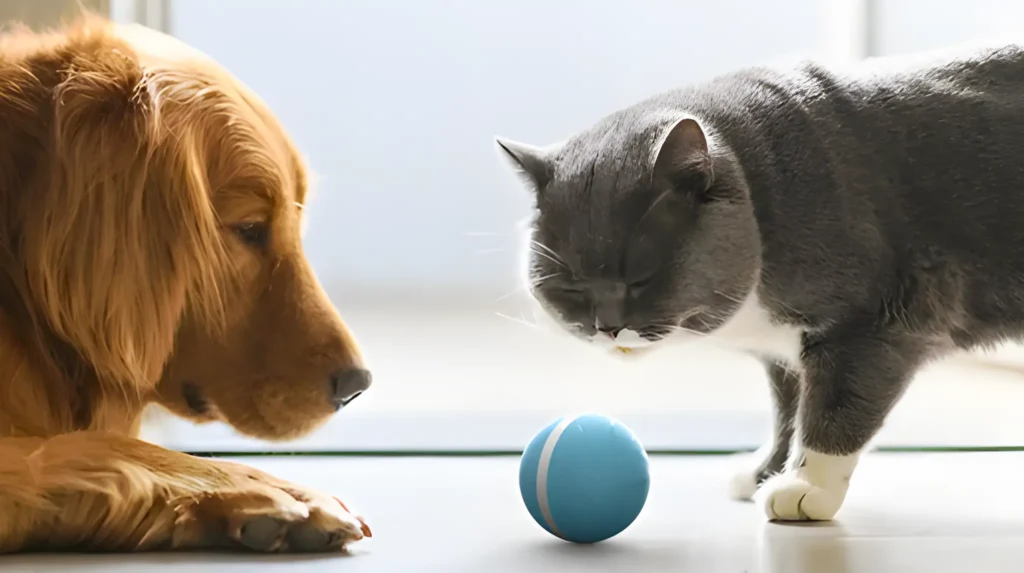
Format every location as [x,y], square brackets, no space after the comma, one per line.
[791,496]
[261,513]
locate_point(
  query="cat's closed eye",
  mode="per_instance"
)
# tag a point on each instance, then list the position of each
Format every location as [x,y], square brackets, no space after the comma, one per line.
[571,290]
[635,287]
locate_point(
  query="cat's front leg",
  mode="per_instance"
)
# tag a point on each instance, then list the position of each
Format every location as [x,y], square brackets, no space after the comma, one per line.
[770,458]
[850,383]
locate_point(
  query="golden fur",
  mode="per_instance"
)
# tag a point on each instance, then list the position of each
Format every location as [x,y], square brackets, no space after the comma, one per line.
[150,253]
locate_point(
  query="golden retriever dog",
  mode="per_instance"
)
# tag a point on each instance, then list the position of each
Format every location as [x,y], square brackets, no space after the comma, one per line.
[150,253]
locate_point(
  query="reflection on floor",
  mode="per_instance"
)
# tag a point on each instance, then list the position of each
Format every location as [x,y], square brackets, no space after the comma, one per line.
[905,512]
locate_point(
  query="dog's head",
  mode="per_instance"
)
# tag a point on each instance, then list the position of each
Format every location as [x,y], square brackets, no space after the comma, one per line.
[166,247]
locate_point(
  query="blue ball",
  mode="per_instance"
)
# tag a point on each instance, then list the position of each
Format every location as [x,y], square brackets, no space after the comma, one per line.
[584,478]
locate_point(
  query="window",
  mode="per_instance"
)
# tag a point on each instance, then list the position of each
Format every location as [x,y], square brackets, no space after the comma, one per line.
[415,226]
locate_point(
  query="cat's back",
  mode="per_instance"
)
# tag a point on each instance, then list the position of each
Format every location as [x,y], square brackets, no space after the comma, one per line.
[917,133]
[962,64]
[955,79]
[892,165]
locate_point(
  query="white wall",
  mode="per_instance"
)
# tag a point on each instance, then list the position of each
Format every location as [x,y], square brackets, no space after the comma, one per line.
[396,103]
[904,26]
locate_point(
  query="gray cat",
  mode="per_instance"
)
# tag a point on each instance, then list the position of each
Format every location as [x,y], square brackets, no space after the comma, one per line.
[847,226]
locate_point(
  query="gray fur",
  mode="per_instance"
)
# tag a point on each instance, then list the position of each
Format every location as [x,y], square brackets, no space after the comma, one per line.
[883,213]
[785,395]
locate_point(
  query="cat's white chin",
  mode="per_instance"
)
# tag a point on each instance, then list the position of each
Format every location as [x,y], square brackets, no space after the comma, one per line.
[626,343]
[626,339]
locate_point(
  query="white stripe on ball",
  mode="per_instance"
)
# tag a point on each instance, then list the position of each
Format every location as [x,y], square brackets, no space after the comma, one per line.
[542,472]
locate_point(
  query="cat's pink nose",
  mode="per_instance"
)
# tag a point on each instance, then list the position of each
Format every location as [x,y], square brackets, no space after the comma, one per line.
[611,331]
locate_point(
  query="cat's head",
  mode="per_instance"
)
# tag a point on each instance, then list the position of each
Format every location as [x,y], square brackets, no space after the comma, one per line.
[643,230]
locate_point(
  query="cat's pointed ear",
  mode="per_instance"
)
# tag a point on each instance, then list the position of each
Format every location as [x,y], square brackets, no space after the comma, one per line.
[531,162]
[683,157]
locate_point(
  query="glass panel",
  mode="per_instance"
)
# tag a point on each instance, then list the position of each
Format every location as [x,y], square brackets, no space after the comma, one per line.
[415,228]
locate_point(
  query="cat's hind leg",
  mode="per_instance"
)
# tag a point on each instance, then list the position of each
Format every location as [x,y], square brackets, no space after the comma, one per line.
[770,458]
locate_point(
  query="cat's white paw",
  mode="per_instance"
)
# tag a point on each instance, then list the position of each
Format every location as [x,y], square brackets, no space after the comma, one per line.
[743,484]
[743,481]
[791,496]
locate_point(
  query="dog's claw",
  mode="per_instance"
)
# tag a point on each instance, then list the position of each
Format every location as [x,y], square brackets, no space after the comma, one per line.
[266,515]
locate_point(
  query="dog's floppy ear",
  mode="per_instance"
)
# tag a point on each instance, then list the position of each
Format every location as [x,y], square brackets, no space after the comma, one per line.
[122,235]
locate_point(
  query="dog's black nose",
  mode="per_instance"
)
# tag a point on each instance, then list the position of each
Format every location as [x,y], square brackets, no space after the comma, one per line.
[347,384]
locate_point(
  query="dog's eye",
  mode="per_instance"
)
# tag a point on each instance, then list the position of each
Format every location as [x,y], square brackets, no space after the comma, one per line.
[255,234]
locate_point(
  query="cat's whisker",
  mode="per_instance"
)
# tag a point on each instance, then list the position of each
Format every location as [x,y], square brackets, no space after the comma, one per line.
[678,328]
[517,320]
[540,280]
[533,283]
[541,245]
[547,252]
[511,293]
[695,311]
[549,257]
[729,297]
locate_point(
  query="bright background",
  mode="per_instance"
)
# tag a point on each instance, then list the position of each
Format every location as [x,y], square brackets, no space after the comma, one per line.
[415,224]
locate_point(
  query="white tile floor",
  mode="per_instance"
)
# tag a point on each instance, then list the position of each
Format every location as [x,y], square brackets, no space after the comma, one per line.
[905,512]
